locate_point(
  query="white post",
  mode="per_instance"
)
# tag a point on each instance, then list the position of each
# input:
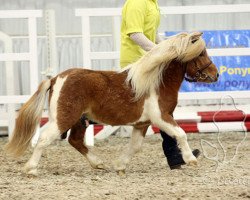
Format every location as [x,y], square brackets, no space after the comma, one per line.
[52,61]
[33,54]
[33,64]
[89,136]
[117,40]
[86,42]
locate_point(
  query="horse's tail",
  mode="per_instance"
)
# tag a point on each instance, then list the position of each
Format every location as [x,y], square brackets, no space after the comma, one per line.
[27,121]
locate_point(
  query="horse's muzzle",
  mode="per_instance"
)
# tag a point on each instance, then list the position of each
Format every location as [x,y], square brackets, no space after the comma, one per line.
[212,79]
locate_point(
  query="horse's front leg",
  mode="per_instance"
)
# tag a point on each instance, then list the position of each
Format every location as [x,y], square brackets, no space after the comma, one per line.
[134,146]
[169,125]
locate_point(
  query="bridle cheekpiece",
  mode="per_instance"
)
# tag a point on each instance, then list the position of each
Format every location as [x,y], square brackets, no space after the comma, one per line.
[199,75]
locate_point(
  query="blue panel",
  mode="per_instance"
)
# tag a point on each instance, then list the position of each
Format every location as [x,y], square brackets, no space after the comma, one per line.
[234,70]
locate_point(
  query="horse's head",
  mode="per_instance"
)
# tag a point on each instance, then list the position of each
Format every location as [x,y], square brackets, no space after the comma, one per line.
[201,69]
[146,73]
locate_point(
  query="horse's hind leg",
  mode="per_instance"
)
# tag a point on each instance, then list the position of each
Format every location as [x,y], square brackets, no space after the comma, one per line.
[134,146]
[76,138]
[47,137]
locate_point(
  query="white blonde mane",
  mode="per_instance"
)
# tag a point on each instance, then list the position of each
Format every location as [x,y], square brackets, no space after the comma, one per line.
[146,73]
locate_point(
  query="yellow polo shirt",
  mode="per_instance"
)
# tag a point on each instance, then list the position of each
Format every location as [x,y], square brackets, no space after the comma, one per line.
[137,16]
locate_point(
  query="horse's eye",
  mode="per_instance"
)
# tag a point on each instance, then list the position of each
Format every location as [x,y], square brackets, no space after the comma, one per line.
[201,54]
[193,41]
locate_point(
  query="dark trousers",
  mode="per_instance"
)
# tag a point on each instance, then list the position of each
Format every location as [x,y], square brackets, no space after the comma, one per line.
[169,144]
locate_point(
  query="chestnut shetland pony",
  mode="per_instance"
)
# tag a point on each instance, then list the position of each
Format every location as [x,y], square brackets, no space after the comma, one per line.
[143,93]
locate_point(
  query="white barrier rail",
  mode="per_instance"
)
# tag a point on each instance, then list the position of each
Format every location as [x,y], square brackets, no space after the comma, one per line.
[10,99]
[20,14]
[15,56]
[170,10]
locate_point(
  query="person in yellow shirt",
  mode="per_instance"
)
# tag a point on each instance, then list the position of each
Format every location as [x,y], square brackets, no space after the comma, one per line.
[140,21]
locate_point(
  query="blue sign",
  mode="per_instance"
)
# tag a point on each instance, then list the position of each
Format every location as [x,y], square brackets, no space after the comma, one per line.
[234,70]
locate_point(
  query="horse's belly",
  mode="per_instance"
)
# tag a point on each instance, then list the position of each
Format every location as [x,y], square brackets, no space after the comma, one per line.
[115,116]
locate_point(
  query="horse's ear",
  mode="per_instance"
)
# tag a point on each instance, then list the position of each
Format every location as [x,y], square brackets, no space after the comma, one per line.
[195,36]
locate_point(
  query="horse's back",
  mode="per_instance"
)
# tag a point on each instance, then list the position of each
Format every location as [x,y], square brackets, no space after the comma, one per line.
[96,82]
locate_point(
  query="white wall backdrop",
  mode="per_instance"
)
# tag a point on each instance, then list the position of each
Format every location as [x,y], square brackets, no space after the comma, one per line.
[68,30]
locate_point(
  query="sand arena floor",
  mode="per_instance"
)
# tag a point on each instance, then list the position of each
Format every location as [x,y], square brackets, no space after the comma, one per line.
[65,174]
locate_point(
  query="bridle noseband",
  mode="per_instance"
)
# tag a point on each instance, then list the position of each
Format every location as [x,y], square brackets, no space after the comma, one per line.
[200,75]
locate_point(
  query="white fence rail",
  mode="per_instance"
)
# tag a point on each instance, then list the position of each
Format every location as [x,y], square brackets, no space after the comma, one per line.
[31,56]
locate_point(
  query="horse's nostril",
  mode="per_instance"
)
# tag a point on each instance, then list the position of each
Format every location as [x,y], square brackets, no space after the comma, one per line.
[217,75]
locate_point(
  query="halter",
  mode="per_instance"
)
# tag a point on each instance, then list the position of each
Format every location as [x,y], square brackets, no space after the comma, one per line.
[199,74]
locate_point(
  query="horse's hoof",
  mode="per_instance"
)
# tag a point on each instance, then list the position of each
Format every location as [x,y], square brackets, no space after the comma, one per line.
[30,172]
[121,173]
[101,166]
[189,159]
[28,169]
[193,162]
[119,165]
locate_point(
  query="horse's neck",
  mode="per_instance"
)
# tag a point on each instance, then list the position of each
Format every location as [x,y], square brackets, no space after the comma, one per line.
[173,76]
[171,82]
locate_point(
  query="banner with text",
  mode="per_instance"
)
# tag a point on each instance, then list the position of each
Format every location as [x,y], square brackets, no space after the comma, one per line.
[234,70]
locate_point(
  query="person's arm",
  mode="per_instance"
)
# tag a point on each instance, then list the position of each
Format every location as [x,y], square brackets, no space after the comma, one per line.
[134,18]
[142,41]
[158,38]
